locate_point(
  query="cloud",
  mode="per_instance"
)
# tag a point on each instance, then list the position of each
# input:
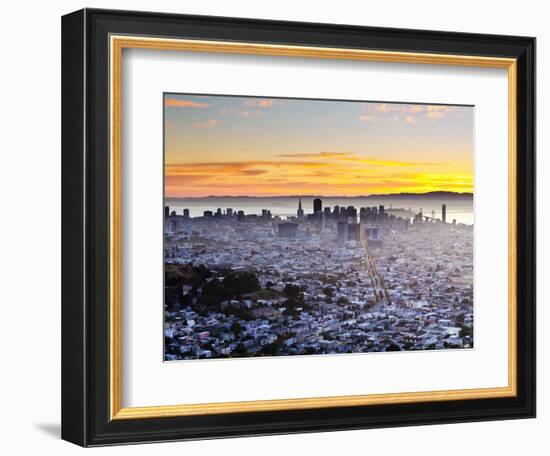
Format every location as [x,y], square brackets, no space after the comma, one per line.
[258,103]
[242,167]
[437,112]
[385,107]
[367,118]
[413,109]
[410,113]
[316,155]
[249,113]
[253,172]
[241,113]
[339,177]
[177,103]
[207,123]
[349,157]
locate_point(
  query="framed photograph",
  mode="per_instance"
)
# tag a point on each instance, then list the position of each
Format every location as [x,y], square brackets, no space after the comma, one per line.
[277,227]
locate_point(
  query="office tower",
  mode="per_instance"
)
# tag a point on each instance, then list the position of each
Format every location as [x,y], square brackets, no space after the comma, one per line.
[326,211]
[287,230]
[351,214]
[354,232]
[219,212]
[374,238]
[363,215]
[368,214]
[371,233]
[229,212]
[207,214]
[166,211]
[342,230]
[300,211]
[186,213]
[173,214]
[381,210]
[240,215]
[317,205]
[444,213]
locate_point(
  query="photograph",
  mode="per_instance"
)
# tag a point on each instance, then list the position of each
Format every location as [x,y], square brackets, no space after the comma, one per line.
[316,226]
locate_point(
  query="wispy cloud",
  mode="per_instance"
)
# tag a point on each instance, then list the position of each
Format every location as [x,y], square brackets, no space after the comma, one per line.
[178,103]
[251,108]
[241,113]
[437,112]
[408,113]
[207,123]
[367,118]
[349,157]
[236,167]
[316,155]
[258,103]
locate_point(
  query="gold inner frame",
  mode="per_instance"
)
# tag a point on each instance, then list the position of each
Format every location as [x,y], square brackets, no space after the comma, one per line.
[117,44]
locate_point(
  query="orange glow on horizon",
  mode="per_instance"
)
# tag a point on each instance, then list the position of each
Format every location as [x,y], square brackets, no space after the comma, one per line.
[339,176]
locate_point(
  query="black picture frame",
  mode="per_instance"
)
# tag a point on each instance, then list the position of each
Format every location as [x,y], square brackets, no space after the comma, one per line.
[85,225]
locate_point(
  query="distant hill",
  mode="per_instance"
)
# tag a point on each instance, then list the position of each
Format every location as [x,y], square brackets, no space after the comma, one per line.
[404,196]
[427,195]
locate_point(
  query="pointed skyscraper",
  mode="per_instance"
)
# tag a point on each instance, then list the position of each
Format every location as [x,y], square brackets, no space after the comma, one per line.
[300,211]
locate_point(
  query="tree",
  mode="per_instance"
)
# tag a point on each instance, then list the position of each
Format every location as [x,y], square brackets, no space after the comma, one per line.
[240,350]
[328,291]
[292,291]
[466,331]
[270,349]
[237,284]
[213,293]
[236,328]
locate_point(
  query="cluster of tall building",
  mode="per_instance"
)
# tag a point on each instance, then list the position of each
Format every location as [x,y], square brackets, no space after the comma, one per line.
[347,223]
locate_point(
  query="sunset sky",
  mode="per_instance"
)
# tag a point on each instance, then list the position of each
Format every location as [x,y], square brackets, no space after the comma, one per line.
[220,145]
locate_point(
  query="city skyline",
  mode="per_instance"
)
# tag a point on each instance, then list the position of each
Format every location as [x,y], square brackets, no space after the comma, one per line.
[236,146]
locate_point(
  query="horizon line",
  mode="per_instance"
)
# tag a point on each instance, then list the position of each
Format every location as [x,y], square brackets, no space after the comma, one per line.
[466,194]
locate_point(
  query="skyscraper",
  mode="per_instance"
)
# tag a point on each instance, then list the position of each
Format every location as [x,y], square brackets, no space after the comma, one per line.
[300,211]
[317,205]
[342,228]
[166,211]
[354,232]
[444,213]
